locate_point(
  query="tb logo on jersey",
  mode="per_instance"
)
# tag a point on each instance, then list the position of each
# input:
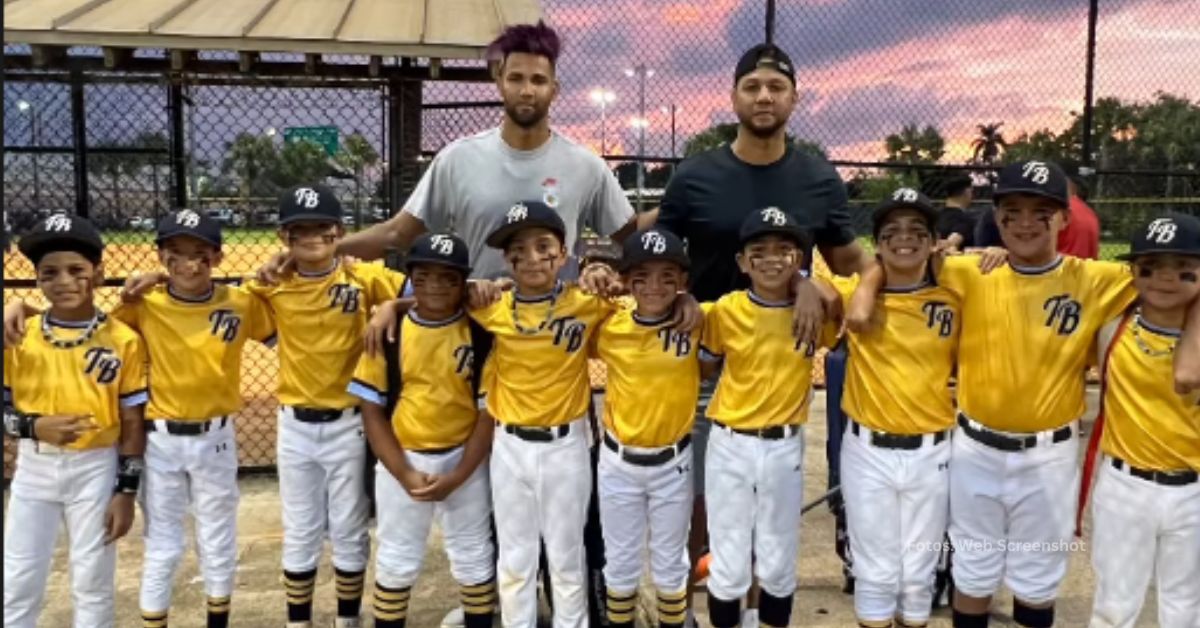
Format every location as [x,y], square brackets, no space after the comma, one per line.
[225,324]
[940,316]
[101,363]
[345,295]
[681,340]
[1062,311]
[568,330]
[464,356]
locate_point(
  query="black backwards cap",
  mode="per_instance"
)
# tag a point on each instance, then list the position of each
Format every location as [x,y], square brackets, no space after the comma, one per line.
[767,56]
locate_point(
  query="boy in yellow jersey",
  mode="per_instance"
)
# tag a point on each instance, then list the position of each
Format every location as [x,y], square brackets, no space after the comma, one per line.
[538,391]
[73,394]
[754,471]
[1023,351]
[644,475]
[320,314]
[1146,516]
[896,450]
[432,446]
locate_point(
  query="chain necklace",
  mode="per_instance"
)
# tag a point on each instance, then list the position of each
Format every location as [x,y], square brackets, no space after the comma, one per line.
[88,332]
[525,331]
[1146,348]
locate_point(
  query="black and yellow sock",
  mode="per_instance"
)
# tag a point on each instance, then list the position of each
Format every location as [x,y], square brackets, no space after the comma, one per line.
[672,609]
[620,607]
[218,611]
[391,606]
[299,587]
[350,592]
[479,602]
[154,619]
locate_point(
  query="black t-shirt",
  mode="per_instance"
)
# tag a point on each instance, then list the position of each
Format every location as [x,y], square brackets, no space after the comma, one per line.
[986,232]
[712,193]
[957,220]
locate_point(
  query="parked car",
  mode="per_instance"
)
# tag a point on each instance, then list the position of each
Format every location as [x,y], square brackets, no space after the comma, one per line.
[141,223]
[226,217]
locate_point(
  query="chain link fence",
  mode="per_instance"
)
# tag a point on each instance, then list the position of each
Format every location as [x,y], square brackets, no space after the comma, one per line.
[893,93]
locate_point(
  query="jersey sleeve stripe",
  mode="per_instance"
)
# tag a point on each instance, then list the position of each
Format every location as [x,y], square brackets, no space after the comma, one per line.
[366,392]
[135,399]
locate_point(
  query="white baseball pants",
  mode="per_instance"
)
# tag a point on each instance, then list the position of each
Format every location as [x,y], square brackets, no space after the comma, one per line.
[196,473]
[897,505]
[635,500]
[51,487]
[1012,515]
[754,493]
[541,491]
[403,524]
[1141,530]
[321,469]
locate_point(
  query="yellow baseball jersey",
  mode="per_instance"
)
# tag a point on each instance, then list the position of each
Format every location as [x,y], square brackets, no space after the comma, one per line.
[653,379]
[94,379]
[437,406]
[1026,336]
[320,321]
[541,378]
[195,348]
[898,376]
[767,376]
[1146,423]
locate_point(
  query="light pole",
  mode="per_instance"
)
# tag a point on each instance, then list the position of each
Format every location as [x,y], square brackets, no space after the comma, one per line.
[35,138]
[602,98]
[642,73]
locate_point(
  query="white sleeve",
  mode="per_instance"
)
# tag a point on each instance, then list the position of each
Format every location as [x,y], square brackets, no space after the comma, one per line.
[610,209]
[429,201]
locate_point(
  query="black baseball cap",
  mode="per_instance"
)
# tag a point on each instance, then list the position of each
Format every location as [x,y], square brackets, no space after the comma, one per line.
[771,220]
[187,222]
[62,232]
[1037,178]
[310,203]
[652,245]
[442,249]
[765,56]
[1169,234]
[526,215]
[903,198]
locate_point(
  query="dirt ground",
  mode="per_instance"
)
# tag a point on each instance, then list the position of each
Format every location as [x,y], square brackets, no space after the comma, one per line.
[259,600]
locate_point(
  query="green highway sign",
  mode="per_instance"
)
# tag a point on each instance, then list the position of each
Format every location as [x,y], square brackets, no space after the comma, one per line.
[324,136]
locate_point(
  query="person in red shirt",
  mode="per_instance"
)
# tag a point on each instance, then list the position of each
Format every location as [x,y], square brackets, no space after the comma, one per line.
[1081,237]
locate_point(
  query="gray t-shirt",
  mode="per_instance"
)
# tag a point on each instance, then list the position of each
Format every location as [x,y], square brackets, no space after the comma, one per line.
[474,180]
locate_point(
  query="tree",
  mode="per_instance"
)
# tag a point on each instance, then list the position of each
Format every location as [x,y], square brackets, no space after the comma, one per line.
[301,162]
[1042,144]
[251,158]
[113,165]
[915,146]
[157,142]
[356,155]
[990,143]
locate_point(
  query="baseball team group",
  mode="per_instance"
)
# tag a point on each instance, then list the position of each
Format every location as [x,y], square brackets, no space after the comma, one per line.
[458,391]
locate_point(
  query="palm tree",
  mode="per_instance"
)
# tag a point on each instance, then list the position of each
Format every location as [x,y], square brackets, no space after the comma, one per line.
[356,155]
[250,157]
[990,143]
[915,146]
[114,165]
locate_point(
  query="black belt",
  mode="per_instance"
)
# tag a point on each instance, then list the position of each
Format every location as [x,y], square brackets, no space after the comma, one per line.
[188,428]
[536,434]
[887,440]
[648,458]
[1004,442]
[1165,478]
[775,432]
[319,415]
[435,450]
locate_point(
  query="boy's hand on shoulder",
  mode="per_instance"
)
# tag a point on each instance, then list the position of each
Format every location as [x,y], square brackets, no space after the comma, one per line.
[484,292]
[808,312]
[279,267]
[14,323]
[118,518]
[687,315]
[383,325]
[61,429]
[439,487]
[600,279]
[138,284]
[990,258]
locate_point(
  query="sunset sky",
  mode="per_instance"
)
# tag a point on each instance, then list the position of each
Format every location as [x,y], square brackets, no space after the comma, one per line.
[866,67]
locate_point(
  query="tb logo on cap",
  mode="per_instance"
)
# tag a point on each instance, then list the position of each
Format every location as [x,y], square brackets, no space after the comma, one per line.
[59,222]
[1036,171]
[307,198]
[188,218]
[654,242]
[775,216]
[905,195]
[442,245]
[517,213]
[1161,231]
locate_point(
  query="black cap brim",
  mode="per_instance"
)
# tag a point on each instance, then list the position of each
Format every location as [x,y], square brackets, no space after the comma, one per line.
[684,262]
[879,216]
[36,245]
[801,236]
[999,194]
[166,235]
[499,238]
[1129,257]
[410,262]
[309,218]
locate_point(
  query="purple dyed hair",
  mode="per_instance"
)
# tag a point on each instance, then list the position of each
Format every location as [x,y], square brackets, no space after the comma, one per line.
[535,39]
